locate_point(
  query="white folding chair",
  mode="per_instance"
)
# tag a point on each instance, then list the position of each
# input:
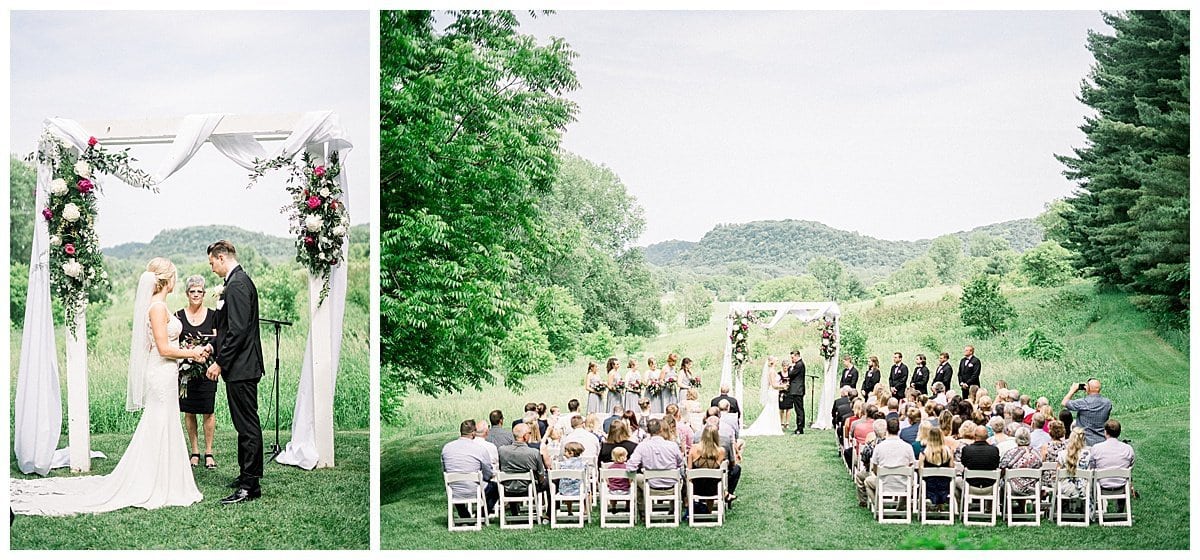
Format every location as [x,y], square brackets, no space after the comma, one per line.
[662,505]
[580,516]
[609,500]
[1072,519]
[476,504]
[1121,496]
[716,514]
[531,501]
[986,497]
[1032,498]
[897,501]
[930,472]
[1048,488]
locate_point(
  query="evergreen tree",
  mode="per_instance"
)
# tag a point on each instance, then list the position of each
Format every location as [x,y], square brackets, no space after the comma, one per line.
[1128,221]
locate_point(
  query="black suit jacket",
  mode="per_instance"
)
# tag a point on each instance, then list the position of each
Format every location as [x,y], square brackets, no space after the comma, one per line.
[944,374]
[979,456]
[238,344]
[870,381]
[849,377]
[920,378]
[733,404]
[796,380]
[968,370]
[898,379]
[842,404]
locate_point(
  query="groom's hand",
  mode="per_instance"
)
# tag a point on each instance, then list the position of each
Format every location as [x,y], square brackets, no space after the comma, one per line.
[214,371]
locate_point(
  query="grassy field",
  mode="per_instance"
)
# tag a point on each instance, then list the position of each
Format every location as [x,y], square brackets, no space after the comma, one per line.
[321,509]
[794,493]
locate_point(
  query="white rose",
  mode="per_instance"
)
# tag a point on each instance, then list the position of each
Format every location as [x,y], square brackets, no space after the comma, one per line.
[82,169]
[346,220]
[70,212]
[741,336]
[324,192]
[55,240]
[740,356]
[217,291]
[312,223]
[339,231]
[58,187]
[322,255]
[72,268]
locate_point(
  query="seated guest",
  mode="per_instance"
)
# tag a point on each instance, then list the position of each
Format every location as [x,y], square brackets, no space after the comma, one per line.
[937,455]
[843,407]
[564,420]
[683,431]
[1067,420]
[724,396]
[1023,456]
[464,456]
[493,453]
[618,485]
[708,454]
[1112,453]
[655,453]
[617,413]
[893,410]
[999,438]
[644,413]
[1074,457]
[979,456]
[636,433]
[878,433]
[891,452]
[909,434]
[693,410]
[582,434]
[520,458]
[497,433]
[729,418]
[552,447]
[618,436]
[939,393]
[572,461]
[529,407]
[966,436]
[1038,436]
[535,432]
[922,440]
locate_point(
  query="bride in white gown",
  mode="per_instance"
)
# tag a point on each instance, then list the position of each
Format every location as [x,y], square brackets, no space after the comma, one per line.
[767,423]
[154,471]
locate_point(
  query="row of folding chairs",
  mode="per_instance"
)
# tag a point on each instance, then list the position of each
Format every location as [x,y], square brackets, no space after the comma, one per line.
[659,507]
[982,505]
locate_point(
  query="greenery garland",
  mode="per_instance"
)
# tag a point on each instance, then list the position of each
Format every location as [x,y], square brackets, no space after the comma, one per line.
[319,218]
[76,264]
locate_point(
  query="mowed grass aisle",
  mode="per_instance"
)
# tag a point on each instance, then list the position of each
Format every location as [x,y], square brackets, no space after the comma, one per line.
[794,494]
[319,509]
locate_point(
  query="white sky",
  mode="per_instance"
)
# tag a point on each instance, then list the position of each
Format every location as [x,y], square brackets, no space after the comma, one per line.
[899,125]
[114,65]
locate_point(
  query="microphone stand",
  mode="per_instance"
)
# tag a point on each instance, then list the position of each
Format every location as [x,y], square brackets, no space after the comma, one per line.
[275,448]
[811,396]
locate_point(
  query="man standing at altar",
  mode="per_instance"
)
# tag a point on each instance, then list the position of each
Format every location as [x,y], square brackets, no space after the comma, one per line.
[796,390]
[944,371]
[968,370]
[898,380]
[849,373]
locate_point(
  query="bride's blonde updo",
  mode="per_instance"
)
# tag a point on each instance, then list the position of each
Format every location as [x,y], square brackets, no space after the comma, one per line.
[164,272]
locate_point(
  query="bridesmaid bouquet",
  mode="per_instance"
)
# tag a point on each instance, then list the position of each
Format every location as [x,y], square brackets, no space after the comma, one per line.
[654,387]
[596,386]
[618,386]
[634,386]
[695,381]
[188,368]
[671,383]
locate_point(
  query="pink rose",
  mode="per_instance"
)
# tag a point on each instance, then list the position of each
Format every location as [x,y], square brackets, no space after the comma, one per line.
[85,186]
[47,213]
[92,141]
[333,204]
[308,240]
[69,249]
[314,202]
[319,171]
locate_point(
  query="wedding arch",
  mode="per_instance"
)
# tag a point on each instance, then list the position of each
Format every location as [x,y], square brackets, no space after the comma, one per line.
[742,315]
[315,136]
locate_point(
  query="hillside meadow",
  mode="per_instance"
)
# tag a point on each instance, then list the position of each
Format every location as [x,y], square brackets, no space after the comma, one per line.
[797,481]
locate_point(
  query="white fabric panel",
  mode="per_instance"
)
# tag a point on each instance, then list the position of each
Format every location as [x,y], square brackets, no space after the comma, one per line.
[193,133]
[242,149]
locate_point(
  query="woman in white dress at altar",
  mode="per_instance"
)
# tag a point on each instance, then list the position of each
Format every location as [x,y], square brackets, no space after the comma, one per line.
[154,471]
[767,423]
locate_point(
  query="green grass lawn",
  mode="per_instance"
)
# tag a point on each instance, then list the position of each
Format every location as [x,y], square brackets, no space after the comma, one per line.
[794,494]
[319,509]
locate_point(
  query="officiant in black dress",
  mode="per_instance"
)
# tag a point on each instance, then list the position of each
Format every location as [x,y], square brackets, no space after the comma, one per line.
[200,393]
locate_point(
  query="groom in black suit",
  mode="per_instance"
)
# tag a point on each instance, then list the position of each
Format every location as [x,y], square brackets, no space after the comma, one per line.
[238,360]
[795,390]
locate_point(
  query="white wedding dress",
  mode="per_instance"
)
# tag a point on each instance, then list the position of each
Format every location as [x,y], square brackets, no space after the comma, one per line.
[767,423]
[154,471]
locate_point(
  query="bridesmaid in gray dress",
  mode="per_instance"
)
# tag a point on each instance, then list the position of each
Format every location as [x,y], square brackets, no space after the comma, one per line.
[592,383]
[612,374]
[653,374]
[671,396]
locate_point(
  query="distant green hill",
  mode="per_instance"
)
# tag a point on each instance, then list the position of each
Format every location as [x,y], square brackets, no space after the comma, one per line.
[189,244]
[770,243]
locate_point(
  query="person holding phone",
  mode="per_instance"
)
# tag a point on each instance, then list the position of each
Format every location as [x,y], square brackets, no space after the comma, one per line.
[1091,411]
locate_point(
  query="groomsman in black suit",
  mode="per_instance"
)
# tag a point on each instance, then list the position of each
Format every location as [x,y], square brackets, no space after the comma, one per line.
[968,371]
[944,371]
[796,389]
[871,379]
[920,378]
[898,379]
[849,373]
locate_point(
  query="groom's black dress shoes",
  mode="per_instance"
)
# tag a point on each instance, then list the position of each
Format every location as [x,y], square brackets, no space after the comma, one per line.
[242,495]
[235,483]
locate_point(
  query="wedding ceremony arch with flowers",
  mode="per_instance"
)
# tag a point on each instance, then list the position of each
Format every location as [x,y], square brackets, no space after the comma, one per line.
[66,262]
[743,315]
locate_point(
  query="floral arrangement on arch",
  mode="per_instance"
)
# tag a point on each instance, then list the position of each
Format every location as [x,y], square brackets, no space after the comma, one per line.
[76,264]
[739,335]
[319,217]
[828,340]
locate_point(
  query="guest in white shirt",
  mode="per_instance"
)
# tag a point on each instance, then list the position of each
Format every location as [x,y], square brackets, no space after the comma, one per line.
[1112,453]
[493,452]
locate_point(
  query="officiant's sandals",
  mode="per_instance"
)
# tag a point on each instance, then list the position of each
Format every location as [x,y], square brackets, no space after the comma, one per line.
[195,459]
[208,457]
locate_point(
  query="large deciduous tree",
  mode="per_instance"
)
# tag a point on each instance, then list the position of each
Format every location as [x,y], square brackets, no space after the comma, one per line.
[1128,221]
[470,119]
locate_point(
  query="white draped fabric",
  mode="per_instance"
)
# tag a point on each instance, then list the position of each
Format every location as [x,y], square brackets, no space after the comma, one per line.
[38,405]
[805,311]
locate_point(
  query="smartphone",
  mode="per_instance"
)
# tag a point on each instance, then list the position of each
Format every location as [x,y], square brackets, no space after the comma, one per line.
[1082,387]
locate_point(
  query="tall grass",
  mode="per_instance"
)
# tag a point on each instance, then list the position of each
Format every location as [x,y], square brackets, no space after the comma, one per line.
[793,493]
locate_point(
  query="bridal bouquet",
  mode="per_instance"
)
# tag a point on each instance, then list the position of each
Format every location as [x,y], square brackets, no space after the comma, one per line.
[188,368]
[597,386]
[319,217]
[654,387]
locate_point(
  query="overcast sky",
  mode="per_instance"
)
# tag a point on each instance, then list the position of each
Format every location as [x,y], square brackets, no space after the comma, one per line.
[899,125]
[116,65]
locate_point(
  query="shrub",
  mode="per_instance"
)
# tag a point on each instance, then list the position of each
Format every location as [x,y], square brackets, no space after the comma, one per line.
[1038,346]
[931,343]
[984,307]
